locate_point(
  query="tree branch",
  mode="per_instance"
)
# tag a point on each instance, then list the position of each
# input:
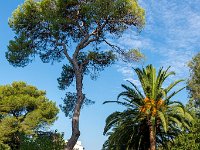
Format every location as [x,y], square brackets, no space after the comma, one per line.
[64,50]
[89,41]
[115,47]
[86,40]
[66,53]
[80,46]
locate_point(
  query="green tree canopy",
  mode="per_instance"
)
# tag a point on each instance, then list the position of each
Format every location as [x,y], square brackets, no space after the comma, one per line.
[43,141]
[23,109]
[194,81]
[58,29]
[49,27]
[189,139]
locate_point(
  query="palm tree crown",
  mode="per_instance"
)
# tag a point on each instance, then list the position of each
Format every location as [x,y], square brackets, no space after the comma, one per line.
[150,116]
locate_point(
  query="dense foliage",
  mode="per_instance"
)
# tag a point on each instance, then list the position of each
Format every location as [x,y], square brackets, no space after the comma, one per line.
[49,27]
[42,141]
[151,117]
[194,81]
[23,109]
[187,140]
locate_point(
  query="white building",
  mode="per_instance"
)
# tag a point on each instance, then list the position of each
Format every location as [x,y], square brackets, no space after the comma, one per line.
[78,146]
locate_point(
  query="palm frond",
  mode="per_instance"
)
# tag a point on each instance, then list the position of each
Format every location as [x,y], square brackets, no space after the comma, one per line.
[172,85]
[111,120]
[173,94]
[135,102]
[163,120]
[189,117]
[129,92]
[175,120]
[121,103]
[138,91]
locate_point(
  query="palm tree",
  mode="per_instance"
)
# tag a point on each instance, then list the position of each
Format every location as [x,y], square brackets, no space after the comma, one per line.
[149,113]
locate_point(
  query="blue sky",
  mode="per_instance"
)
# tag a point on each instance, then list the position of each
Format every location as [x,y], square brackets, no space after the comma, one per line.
[170,38]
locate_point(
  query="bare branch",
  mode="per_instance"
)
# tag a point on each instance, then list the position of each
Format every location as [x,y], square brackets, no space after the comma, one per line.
[64,50]
[80,46]
[66,53]
[115,47]
[90,41]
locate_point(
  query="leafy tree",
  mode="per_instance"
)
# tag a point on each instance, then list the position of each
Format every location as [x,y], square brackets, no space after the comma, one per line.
[150,116]
[4,146]
[186,140]
[43,141]
[58,29]
[24,109]
[194,81]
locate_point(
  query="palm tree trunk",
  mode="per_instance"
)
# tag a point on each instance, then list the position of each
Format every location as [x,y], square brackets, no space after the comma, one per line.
[152,136]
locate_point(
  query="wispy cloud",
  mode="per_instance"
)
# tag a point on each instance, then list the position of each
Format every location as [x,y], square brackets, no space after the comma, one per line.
[171,35]
[128,72]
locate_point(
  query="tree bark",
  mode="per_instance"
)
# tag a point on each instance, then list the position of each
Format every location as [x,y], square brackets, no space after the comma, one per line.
[152,136]
[75,119]
[79,87]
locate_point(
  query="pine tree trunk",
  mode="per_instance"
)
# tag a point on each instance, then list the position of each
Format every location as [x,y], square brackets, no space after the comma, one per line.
[152,136]
[75,119]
